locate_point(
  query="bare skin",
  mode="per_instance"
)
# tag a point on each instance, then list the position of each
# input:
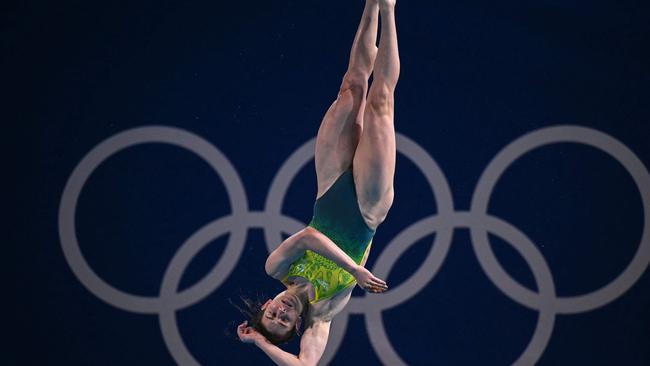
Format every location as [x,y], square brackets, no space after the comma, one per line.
[357,129]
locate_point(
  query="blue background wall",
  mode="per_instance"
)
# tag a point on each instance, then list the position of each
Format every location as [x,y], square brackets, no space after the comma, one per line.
[254,79]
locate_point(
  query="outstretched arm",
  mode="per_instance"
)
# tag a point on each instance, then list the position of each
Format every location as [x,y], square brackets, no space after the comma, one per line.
[278,263]
[312,345]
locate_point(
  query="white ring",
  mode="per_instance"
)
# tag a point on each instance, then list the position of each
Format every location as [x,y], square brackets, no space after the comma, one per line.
[551,135]
[92,160]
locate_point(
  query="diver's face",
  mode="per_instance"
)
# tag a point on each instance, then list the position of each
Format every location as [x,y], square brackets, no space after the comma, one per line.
[282,314]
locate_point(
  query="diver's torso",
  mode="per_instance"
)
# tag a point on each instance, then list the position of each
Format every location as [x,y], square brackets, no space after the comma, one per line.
[337,215]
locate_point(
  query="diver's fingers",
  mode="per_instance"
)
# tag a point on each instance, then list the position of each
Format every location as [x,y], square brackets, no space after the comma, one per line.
[377,282]
[374,289]
[376,279]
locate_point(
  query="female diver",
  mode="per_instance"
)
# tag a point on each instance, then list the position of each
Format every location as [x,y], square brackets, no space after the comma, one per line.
[355,165]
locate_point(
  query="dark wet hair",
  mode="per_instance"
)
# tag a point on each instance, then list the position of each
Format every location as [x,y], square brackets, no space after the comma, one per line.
[252,309]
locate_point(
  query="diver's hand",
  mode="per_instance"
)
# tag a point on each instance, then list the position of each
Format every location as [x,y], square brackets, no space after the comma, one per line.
[249,334]
[367,281]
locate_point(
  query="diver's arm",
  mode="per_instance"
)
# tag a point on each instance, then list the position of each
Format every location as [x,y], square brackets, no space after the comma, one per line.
[278,263]
[321,244]
[312,346]
[317,242]
[277,355]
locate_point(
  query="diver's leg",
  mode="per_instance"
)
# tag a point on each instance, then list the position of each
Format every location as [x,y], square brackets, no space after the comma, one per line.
[341,127]
[374,160]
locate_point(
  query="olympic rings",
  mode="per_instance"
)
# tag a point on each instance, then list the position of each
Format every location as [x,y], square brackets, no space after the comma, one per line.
[443,223]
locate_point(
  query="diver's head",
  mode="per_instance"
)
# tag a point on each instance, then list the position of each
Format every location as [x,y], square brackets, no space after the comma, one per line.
[278,319]
[281,317]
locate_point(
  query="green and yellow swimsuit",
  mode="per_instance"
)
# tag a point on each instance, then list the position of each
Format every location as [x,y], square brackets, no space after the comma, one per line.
[337,216]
